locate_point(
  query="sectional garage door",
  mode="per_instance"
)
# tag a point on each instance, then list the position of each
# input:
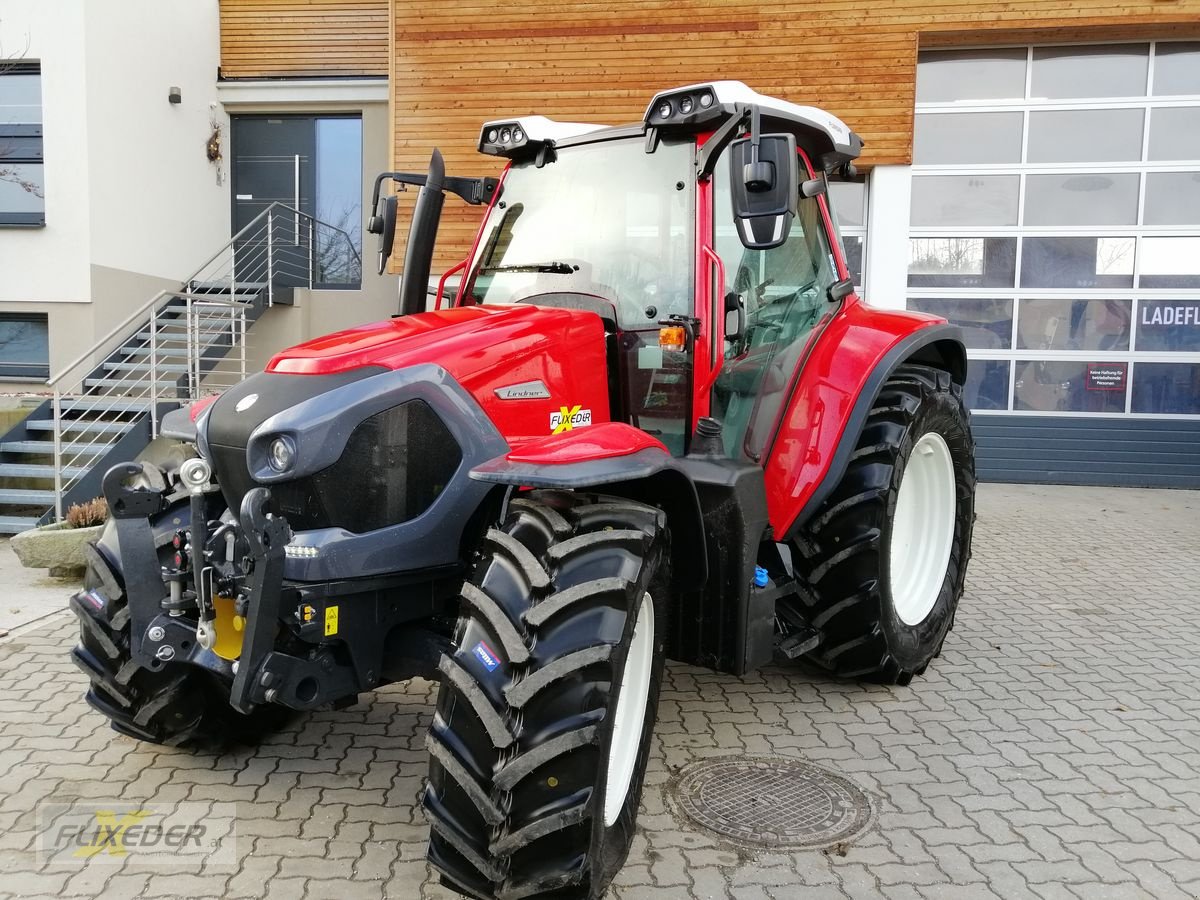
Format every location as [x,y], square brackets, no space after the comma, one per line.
[1056,216]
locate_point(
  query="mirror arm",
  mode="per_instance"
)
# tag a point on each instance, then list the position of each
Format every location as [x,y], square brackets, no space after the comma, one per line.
[706,156]
[475,191]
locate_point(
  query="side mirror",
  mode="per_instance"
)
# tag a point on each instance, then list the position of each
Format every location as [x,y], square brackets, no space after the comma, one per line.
[764,183]
[384,225]
[735,316]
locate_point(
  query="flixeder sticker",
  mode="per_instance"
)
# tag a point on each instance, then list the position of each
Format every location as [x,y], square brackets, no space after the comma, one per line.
[486,656]
[569,417]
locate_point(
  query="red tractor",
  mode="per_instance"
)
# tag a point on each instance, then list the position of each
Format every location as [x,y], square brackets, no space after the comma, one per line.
[654,422]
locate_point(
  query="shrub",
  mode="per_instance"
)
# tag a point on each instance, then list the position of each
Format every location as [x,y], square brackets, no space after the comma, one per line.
[85,515]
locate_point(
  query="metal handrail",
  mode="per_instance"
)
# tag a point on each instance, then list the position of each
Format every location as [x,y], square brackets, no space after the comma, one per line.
[175,368]
[228,245]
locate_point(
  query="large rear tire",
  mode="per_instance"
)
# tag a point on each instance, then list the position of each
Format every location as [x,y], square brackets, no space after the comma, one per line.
[885,557]
[542,730]
[175,705]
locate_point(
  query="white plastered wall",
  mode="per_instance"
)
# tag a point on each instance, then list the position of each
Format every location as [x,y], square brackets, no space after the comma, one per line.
[52,263]
[156,207]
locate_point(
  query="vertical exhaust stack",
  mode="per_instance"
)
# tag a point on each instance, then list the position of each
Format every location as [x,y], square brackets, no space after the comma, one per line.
[418,255]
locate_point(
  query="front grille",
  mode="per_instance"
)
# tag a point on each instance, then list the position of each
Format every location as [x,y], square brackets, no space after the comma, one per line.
[396,463]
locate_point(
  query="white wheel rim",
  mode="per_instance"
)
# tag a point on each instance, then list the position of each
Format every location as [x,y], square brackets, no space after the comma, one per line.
[632,697]
[922,529]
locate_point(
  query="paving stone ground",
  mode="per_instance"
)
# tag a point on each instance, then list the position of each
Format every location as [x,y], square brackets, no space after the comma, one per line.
[1053,751]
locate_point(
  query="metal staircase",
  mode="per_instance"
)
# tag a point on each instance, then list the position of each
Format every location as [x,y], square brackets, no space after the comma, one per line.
[178,346]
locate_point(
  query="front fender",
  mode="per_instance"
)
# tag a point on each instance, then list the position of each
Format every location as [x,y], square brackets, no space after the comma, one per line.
[582,457]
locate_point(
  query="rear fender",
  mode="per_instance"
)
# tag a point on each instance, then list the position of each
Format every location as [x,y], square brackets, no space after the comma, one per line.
[833,396]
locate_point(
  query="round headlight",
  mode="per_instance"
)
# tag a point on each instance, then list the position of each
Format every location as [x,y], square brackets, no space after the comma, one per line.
[685,105]
[281,454]
[492,135]
[518,135]
[706,100]
[505,134]
[665,109]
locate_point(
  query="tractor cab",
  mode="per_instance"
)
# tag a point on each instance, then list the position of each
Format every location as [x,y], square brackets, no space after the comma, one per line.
[701,237]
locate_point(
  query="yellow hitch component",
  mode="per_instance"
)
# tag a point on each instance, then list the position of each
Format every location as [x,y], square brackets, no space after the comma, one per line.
[230,628]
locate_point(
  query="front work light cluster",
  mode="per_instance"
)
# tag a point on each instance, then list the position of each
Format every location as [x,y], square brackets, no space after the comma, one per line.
[681,107]
[527,135]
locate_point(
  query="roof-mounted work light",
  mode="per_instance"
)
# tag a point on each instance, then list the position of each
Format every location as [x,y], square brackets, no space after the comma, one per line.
[527,135]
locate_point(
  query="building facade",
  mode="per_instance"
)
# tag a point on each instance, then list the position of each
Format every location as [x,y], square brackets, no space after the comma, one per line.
[1031,171]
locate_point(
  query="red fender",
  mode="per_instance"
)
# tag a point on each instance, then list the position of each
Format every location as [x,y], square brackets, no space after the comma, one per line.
[832,395]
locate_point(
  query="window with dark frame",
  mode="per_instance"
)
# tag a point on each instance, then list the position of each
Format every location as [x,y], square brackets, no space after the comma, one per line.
[22,180]
[24,346]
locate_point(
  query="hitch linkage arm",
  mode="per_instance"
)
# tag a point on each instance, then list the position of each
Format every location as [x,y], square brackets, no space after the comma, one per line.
[267,535]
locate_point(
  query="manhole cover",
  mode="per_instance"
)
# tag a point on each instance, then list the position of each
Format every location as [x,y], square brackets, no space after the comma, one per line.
[772,802]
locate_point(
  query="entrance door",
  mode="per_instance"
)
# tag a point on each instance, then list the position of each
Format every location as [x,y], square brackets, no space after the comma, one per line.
[312,164]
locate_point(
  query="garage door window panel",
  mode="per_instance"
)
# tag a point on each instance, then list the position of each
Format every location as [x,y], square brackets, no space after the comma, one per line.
[1114,70]
[1166,388]
[1062,324]
[1085,135]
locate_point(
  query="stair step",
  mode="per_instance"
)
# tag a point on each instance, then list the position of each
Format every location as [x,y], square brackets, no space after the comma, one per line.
[46,448]
[163,368]
[143,383]
[94,426]
[31,470]
[101,403]
[17,524]
[26,496]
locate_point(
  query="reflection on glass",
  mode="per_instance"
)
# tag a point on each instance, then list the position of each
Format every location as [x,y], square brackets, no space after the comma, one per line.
[1110,70]
[1168,325]
[1175,133]
[1062,324]
[1170,262]
[1070,386]
[339,199]
[24,345]
[962,262]
[853,245]
[1092,199]
[1176,68]
[1170,388]
[945,200]
[1077,262]
[967,138]
[986,324]
[20,98]
[848,201]
[987,384]
[22,189]
[1172,198]
[944,76]
[1085,135]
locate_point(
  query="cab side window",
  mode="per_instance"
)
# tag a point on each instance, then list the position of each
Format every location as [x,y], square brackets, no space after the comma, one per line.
[785,293]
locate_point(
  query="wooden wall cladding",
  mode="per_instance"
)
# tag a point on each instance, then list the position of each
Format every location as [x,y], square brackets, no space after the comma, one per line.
[459,63]
[296,38]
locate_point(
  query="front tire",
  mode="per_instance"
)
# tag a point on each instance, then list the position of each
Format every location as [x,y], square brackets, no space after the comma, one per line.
[539,744]
[885,557]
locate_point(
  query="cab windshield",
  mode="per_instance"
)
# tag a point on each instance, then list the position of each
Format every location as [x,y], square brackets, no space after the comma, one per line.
[606,219]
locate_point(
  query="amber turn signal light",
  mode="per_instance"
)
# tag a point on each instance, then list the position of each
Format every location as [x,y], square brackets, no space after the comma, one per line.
[673,337]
